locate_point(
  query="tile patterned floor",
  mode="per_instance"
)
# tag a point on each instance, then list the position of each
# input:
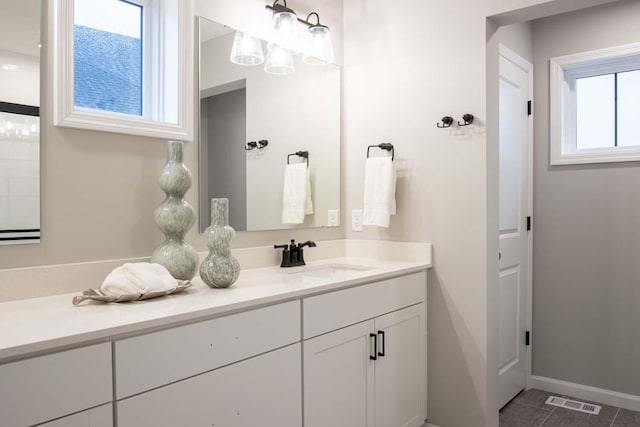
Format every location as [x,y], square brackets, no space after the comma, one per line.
[529,410]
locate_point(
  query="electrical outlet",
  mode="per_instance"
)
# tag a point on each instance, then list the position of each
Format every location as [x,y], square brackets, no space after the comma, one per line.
[356,220]
[332,218]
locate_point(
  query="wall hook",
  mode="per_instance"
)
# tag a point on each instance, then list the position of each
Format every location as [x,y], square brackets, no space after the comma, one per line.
[251,145]
[447,121]
[262,143]
[467,118]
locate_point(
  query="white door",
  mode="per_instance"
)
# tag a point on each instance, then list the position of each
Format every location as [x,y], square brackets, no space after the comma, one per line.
[338,378]
[262,391]
[515,196]
[399,370]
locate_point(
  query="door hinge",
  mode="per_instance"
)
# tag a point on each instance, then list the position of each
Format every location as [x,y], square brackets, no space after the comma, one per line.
[527,338]
[528,108]
[528,223]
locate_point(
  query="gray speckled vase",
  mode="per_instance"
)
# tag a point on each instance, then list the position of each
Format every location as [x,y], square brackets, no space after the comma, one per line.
[175,217]
[219,269]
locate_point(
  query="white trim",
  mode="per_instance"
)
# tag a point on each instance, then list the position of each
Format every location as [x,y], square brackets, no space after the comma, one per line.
[67,115]
[599,395]
[563,71]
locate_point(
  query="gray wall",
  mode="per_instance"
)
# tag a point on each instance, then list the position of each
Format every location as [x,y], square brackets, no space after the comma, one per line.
[227,168]
[586,234]
[518,38]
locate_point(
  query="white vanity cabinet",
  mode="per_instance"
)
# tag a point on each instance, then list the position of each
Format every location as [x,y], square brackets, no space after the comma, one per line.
[262,391]
[342,354]
[238,370]
[371,373]
[44,388]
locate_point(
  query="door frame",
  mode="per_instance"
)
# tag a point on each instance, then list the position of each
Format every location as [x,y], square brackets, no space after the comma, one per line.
[525,65]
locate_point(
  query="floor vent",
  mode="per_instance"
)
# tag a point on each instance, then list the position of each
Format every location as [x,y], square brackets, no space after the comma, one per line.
[573,405]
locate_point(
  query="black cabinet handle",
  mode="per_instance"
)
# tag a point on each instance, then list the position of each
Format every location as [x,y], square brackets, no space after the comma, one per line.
[375,347]
[382,340]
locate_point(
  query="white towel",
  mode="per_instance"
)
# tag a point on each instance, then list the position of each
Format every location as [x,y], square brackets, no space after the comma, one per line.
[308,203]
[137,278]
[296,194]
[379,191]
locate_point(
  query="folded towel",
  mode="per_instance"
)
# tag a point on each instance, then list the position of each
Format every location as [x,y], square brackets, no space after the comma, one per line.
[296,194]
[137,278]
[379,191]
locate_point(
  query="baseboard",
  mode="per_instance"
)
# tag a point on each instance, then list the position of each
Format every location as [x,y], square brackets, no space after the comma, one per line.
[599,395]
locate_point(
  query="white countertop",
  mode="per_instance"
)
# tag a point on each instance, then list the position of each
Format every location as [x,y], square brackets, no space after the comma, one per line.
[38,325]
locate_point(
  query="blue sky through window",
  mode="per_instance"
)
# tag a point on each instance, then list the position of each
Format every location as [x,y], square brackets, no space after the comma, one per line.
[108,56]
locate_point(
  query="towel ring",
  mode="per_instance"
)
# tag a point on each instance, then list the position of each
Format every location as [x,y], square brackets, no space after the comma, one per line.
[303,154]
[384,146]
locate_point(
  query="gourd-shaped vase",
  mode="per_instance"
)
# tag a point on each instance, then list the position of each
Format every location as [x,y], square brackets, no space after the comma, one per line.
[175,217]
[219,269]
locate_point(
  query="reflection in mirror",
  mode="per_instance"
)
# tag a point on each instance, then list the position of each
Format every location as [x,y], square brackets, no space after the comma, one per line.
[19,121]
[252,124]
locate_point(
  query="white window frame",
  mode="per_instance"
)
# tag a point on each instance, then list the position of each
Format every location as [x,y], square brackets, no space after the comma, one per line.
[151,123]
[564,71]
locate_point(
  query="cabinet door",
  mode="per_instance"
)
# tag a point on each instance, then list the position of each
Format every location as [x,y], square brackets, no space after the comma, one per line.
[102,416]
[48,387]
[338,378]
[262,391]
[400,368]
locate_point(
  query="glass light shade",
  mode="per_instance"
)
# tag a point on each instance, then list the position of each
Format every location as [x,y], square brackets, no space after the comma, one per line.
[246,50]
[318,49]
[279,61]
[284,28]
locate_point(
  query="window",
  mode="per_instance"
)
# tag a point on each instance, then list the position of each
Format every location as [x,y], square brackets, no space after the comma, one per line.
[129,67]
[595,105]
[107,53]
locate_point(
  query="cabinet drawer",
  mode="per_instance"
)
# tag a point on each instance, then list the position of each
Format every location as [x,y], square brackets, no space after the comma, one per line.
[159,358]
[43,388]
[262,391]
[335,310]
[102,416]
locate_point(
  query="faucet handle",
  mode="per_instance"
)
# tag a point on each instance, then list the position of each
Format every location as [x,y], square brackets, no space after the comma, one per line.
[286,255]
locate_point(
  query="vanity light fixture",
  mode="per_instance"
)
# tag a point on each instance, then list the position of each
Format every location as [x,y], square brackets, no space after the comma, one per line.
[315,43]
[246,50]
[284,23]
[279,60]
[318,46]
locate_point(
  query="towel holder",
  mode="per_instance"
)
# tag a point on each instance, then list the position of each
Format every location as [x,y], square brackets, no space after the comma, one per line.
[384,146]
[303,154]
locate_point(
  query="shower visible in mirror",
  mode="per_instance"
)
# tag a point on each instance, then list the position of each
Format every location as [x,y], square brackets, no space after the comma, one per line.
[19,122]
[240,105]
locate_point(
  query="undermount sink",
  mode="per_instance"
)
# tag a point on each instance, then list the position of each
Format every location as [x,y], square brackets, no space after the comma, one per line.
[330,271]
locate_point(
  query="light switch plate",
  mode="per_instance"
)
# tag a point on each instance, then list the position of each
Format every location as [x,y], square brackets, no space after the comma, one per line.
[332,218]
[356,220]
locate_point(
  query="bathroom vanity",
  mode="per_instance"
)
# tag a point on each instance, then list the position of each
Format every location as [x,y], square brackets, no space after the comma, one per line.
[338,342]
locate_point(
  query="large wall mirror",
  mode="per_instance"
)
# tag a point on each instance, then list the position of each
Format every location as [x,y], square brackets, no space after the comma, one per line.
[19,121]
[253,124]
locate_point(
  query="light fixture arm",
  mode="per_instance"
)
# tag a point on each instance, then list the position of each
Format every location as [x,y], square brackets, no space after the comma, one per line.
[309,24]
[276,7]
